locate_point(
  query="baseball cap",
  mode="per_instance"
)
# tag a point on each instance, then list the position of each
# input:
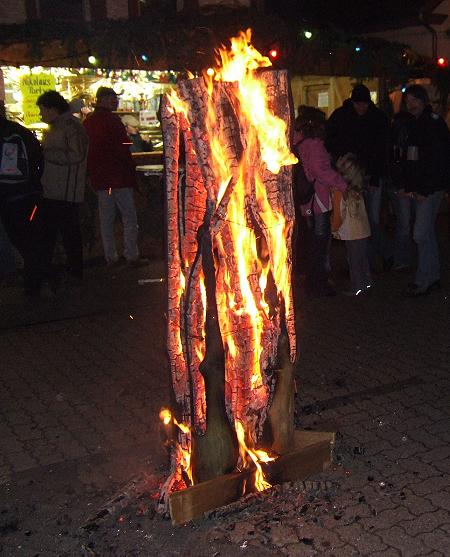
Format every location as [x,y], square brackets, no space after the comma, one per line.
[105,92]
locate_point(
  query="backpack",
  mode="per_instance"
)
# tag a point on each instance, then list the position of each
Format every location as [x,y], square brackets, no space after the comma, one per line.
[14,167]
[303,188]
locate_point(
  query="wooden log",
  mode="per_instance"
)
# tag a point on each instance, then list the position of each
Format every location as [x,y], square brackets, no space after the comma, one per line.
[281,412]
[311,454]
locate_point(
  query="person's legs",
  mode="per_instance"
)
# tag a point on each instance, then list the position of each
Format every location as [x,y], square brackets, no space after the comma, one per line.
[402,244]
[428,267]
[107,214]
[71,237]
[22,220]
[124,198]
[322,235]
[7,257]
[373,206]
[358,263]
[50,215]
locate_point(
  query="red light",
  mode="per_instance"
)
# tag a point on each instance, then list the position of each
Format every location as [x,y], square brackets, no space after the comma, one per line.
[442,62]
[273,53]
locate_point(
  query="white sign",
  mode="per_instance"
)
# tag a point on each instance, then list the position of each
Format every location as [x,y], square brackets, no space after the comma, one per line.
[322,99]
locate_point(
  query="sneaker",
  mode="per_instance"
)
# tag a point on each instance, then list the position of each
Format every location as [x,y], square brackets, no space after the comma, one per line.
[401,268]
[414,290]
[359,292]
[113,263]
[138,263]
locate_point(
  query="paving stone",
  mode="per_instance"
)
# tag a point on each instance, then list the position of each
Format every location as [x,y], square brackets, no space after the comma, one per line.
[426,522]
[396,537]
[437,540]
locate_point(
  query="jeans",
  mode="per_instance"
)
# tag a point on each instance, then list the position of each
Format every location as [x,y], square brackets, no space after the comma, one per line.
[318,236]
[63,217]
[7,257]
[358,264]
[403,209]
[424,234]
[22,220]
[108,201]
[377,241]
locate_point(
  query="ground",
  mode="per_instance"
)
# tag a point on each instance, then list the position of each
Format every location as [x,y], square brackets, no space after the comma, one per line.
[84,375]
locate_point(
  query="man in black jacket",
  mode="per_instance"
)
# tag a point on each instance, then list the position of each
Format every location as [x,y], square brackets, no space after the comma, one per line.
[359,127]
[425,175]
[20,192]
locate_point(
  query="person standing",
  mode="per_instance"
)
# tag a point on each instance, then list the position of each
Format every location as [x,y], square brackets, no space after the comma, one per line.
[64,180]
[359,127]
[309,146]
[21,165]
[113,176]
[426,176]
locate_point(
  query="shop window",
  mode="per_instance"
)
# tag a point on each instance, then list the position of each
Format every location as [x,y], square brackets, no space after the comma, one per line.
[63,9]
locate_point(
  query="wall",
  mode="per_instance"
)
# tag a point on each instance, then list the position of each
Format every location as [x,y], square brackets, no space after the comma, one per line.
[12,11]
[420,39]
[117,9]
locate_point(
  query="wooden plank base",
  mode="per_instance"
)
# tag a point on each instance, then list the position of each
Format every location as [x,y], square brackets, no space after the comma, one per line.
[310,455]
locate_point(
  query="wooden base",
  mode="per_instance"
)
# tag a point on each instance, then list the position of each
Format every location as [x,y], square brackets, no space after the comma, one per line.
[310,455]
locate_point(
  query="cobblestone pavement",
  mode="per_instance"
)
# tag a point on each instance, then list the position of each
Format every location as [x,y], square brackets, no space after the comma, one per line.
[84,375]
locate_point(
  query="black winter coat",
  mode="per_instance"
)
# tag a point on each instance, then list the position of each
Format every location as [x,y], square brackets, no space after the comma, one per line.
[431,171]
[366,136]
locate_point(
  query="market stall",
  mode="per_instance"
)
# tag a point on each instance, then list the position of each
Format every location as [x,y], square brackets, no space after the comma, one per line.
[139,93]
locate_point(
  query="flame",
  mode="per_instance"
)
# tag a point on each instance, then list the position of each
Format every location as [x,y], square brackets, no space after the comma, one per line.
[183,455]
[255,455]
[177,104]
[251,246]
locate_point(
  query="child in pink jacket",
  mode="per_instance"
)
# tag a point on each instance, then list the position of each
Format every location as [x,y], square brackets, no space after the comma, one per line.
[309,147]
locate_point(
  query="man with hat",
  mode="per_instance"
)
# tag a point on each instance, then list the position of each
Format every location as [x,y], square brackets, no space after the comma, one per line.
[359,127]
[113,177]
[425,175]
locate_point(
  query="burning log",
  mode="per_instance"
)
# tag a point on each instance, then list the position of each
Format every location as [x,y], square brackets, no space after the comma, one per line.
[231,333]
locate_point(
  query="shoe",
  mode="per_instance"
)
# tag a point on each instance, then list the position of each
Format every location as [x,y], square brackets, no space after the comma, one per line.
[401,268]
[359,292]
[113,264]
[136,263]
[414,290]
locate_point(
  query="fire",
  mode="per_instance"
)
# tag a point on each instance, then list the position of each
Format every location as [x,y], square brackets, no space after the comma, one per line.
[237,151]
[255,455]
[183,456]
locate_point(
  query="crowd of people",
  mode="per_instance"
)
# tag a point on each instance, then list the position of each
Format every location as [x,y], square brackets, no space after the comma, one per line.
[356,159]
[42,187]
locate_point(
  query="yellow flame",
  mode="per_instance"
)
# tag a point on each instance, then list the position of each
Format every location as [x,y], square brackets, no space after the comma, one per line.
[177,104]
[165,416]
[256,456]
[183,455]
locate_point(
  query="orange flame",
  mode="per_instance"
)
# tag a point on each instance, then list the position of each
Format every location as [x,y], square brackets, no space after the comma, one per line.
[183,455]
[256,456]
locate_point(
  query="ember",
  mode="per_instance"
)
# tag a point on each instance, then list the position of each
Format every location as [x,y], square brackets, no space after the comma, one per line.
[231,334]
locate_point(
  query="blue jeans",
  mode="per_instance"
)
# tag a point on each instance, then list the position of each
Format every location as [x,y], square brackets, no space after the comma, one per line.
[318,244]
[403,210]
[377,240]
[108,203]
[424,234]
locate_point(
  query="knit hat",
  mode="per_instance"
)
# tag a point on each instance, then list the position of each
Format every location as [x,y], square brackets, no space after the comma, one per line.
[360,94]
[105,92]
[418,92]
